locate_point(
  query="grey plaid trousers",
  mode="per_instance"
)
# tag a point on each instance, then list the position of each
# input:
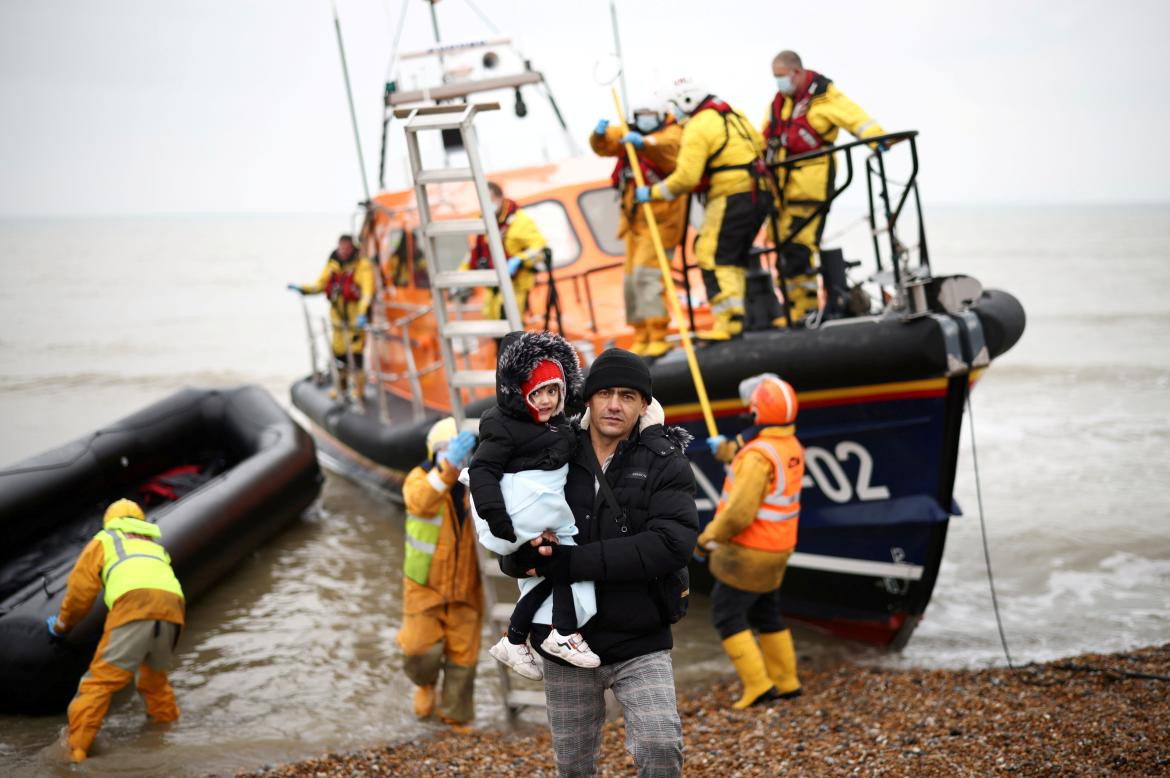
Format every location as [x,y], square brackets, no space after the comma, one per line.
[643,686]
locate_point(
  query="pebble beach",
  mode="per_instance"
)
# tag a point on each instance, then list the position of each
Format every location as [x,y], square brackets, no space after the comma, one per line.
[1091,714]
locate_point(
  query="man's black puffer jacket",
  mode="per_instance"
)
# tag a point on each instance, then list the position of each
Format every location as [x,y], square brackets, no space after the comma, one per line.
[652,480]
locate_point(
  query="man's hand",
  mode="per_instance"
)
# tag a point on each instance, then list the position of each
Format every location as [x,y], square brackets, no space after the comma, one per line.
[600,128]
[297,288]
[634,137]
[51,623]
[642,194]
[361,321]
[514,264]
[556,567]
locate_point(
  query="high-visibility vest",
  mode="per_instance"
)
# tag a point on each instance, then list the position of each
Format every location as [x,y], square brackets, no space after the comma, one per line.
[774,528]
[134,559]
[422,537]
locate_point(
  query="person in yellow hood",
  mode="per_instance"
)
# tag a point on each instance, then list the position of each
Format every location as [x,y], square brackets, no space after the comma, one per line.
[656,136]
[348,281]
[750,540]
[524,246]
[720,157]
[146,609]
[806,114]
[442,594]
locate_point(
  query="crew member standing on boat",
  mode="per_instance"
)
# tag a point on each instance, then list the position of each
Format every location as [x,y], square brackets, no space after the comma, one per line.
[146,608]
[721,158]
[806,114]
[523,246]
[348,281]
[656,136]
[750,540]
[442,595]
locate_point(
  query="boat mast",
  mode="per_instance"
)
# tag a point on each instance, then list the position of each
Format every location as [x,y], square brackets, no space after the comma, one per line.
[617,49]
[357,138]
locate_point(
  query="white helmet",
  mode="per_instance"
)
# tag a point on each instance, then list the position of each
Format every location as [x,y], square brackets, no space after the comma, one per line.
[686,95]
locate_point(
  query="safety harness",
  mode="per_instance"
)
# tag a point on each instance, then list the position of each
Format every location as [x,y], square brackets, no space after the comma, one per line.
[795,135]
[481,255]
[756,168]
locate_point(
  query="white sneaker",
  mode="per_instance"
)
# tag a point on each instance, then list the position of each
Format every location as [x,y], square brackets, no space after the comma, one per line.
[572,648]
[517,657]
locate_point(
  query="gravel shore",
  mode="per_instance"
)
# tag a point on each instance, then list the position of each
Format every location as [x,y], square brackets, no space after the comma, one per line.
[1092,714]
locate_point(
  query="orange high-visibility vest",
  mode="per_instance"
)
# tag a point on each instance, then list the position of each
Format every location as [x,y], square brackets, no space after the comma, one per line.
[774,528]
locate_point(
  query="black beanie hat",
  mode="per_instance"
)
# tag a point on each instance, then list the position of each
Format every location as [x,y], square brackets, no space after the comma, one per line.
[618,367]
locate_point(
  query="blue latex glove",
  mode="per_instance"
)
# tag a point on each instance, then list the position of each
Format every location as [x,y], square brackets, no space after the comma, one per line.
[514,264]
[296,288]
[459,449]
[642,194]
[600,128]
[51,622]
[634,137]
[714,442]
[362,321]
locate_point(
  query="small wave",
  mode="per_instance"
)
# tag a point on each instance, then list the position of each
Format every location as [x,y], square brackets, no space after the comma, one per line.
[144,380]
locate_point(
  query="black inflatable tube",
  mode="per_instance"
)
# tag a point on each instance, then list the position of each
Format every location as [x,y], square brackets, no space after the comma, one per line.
[273,477]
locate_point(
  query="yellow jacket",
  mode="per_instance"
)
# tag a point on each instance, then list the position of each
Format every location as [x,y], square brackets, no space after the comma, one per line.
[749,569]
[828,112]
[703,135]
[454,573]
[363,277]
[85,584]
[661,149]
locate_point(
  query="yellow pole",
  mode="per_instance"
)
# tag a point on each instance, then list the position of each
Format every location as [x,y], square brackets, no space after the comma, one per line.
[667,280]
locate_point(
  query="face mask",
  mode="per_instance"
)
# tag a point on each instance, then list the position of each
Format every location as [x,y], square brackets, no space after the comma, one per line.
[678,113]
[646,122]
[784,85]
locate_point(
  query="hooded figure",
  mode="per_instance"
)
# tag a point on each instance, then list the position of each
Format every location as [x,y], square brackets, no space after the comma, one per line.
[517,480]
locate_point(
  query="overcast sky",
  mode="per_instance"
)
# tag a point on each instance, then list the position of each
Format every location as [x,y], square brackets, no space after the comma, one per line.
[149,106]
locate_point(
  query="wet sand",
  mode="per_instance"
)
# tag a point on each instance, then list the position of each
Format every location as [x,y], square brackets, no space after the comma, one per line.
[1092,714]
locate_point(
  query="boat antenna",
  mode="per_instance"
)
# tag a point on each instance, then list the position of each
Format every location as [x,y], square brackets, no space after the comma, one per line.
[391,87]
[617,49]
[357,139]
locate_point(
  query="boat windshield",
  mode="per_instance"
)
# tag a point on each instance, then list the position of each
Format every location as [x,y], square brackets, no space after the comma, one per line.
[554,224]
[601,210]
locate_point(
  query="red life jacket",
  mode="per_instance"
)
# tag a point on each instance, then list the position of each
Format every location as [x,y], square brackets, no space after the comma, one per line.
[481,255]
[342,286]
[621,175]
[755,167]
[795,134]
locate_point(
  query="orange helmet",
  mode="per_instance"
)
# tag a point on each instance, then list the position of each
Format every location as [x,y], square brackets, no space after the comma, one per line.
[771,398]
[123,509]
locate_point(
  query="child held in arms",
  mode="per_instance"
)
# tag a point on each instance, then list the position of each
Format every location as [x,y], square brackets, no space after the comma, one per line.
[517,480]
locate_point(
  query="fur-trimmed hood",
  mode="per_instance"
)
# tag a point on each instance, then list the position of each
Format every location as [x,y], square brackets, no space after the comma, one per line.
[520,353]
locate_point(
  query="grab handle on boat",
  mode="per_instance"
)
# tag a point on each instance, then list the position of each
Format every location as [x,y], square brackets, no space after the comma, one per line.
[667,280]
[45,586]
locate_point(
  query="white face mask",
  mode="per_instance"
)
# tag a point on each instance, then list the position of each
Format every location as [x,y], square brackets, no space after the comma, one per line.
[784,85]
[646,122]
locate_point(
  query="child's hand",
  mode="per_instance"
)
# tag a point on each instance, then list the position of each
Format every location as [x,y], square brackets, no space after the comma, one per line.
[550,536]
[501,527]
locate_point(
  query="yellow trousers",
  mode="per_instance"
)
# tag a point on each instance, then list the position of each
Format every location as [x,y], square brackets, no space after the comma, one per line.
[145,646]
[522,283]
[642,286]
[444,638]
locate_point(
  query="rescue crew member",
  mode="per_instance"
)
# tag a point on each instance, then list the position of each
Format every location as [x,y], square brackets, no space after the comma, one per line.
[656,136]
[127,560]
[805,115]
[348,282]
[442,596]
[750,540]
[523,246]
[721,158]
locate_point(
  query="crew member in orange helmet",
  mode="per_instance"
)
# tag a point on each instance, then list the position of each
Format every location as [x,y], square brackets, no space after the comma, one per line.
[146,608]
[750,540]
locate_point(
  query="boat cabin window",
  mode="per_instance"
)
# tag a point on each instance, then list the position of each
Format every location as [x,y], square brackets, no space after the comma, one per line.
[553,221]
[602,210]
